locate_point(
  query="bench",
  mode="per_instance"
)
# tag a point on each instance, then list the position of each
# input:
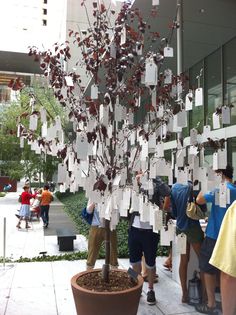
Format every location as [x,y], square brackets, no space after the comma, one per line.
[65,239]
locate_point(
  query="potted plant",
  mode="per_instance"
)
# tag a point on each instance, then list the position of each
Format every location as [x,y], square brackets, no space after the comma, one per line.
[108,147]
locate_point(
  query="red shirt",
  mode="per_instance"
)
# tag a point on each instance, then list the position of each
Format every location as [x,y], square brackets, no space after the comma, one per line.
[25,198]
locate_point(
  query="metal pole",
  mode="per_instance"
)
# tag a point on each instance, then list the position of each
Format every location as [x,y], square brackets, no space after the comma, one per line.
[4,242]
[180,45]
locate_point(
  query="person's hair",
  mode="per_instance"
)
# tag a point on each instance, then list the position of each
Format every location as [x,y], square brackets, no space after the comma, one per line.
[25,187]
[46,187]
[227,172]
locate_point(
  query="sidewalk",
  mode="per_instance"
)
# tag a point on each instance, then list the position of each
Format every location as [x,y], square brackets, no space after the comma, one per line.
[44,287]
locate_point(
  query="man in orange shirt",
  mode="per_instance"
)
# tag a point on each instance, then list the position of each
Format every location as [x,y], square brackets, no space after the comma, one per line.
[46,199]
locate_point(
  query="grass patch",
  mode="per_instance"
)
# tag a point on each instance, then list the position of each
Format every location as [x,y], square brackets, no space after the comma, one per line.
[74,203]
[2,194]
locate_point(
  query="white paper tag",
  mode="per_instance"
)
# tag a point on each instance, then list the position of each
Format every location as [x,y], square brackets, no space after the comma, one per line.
[43,115]
[94,92]
[225,115]
[193,137]
[168,52]
[33,122]
[182,119]
[123,36]
[215,164]
[69,81]
[151,73]
[222,158]
[168,76]
[199,97]
[22,142]
[189,101]
[216,121]
[155,2]
[223,195]
[181,243]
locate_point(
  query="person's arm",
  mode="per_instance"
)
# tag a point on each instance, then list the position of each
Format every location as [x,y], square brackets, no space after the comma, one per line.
[90,207]
[167,202]
[201,199]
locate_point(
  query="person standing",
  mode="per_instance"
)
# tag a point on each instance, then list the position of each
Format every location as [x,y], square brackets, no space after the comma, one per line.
[226,247]
[45,200]
[143,241]
[213,227]
[179,198]
[25,207]
[97,237]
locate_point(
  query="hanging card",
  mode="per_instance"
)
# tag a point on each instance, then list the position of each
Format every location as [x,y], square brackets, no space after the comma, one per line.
[113,50]
[189,101]
[81,146]
[225,115]
[160,149]
[182,119]
[152,141]
[144,152]
[155,2]
[61,177]
[166,237]
[215,164]
[154,98]
[181,243]
[69,81]
[199,97]
[222,158]
[223,195]
[216,121]
[43,115]
[123,36]
[94,92]
[160,111]
[168,52]
[193,136]
[33,122]
[206,133]
[151,73]
[145,214]
[158,219]
[58,123]
[22,142]
[167,76]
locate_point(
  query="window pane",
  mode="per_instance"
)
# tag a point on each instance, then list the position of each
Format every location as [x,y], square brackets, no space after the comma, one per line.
[213,86]
[230,77]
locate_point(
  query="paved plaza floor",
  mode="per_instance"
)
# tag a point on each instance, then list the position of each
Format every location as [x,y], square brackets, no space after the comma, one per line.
[43,288]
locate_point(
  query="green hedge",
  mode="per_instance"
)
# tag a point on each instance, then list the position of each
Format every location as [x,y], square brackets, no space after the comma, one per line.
[74,203]
[2,194]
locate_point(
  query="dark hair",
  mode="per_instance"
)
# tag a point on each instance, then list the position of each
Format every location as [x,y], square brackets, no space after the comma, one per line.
[227,172]
[46,187]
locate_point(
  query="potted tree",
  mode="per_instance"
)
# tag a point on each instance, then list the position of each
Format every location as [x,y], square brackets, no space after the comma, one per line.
[109,146]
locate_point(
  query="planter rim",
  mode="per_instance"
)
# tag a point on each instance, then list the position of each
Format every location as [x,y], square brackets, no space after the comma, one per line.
[75,277]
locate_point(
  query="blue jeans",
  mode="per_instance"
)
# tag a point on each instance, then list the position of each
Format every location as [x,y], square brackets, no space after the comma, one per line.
[44,213]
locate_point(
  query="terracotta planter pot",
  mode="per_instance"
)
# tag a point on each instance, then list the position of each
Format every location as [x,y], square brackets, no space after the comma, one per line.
[106,303]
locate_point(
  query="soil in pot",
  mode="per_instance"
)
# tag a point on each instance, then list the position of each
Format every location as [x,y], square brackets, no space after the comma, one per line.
[118,282]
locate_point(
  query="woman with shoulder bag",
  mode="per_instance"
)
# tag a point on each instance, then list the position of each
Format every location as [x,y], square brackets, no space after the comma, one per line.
[25,207]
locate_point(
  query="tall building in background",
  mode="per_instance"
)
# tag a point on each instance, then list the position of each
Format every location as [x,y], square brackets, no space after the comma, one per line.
[40,23]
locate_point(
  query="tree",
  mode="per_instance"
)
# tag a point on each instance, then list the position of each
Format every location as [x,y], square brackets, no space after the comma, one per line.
[107,146]
[16,161]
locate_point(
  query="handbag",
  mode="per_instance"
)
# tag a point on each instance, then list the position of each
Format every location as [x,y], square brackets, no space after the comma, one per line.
[88,217]
[194,290]
[20,199]
[193,210]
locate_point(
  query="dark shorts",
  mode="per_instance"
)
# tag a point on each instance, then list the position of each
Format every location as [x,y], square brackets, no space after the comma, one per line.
[141,242]
[194,234]
[205,255]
